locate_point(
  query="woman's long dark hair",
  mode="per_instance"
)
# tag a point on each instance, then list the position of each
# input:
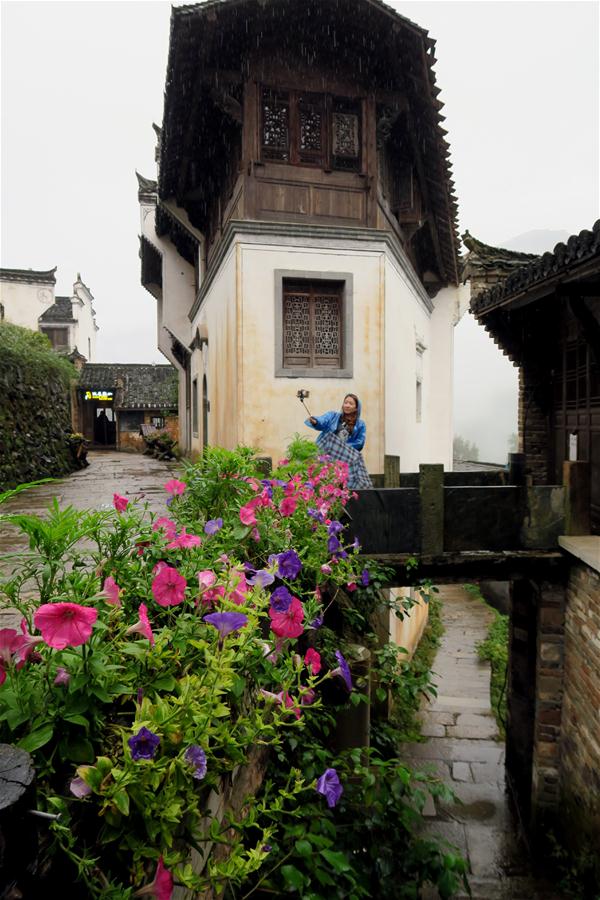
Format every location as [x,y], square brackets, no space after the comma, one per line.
[351,418]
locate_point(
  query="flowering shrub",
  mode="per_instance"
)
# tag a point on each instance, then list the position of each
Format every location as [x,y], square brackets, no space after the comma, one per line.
[157,655]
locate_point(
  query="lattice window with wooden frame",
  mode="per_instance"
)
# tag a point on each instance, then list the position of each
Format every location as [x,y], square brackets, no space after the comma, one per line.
[310,129]
[312,325]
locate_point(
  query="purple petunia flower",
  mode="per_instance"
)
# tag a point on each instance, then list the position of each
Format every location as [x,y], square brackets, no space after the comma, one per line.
[289,565]
[262,578]
[334,528]
[196,757]
[356,544]
[343,670]
[213,525]
[316,623]
[281,599]
[315,514]
[333,544]
[226,622]
[329,786]
[144,744]
[365,577]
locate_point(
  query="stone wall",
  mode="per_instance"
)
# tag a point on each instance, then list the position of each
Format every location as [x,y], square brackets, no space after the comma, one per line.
[35,408]
[580,742]
[533,426]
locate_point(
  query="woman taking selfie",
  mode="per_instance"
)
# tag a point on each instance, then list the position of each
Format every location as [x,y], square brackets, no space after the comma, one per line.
[342,437]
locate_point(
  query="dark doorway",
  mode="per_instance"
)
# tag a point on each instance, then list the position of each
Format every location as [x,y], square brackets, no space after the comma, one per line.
[104,426]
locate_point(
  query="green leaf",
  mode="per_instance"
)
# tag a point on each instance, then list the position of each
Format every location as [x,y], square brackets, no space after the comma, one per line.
[76,719]
[78,749]
[303,848]
[121,801]
[37,738]
[337,860]
[164,683]
[293,877]
[241,532]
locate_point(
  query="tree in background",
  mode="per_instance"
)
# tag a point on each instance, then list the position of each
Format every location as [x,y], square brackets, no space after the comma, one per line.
[464,449]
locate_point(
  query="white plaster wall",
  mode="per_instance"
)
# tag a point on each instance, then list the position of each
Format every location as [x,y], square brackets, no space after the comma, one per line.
[407,321]
[83,333]
[270,412]
[440,381]
[172,310]
[24,303]
[220,359]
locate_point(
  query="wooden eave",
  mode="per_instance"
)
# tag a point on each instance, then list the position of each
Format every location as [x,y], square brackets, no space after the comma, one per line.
[208,37]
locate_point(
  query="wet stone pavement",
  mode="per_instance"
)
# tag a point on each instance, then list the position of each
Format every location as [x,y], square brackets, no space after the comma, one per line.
[464,750]
[130,474]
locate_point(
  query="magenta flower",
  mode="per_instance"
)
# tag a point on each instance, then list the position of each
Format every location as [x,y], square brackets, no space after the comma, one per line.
[289,565]
[65,624]
[79,788]
[196,756]
[248,514]
[206,578]
[168,587]
[329,786]
[62,676]
[226,622]
[142,626]
[213,525]
[162,886]
[175,487]
[9,643]
[351,586]
[144,744]
[183,541]
[312,660]
[166,525]
[326,569]
[343,670]
[288,624]
[120,503]
[281,599]
[112,592]
[25,645]
[287,507]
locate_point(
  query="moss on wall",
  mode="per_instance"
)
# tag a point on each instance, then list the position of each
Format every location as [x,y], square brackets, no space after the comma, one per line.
[35,407]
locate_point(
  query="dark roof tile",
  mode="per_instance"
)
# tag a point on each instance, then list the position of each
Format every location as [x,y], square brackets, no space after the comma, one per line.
[60,311]
[135,385]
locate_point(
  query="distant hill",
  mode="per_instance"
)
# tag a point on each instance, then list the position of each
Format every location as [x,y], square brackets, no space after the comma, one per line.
[541,240]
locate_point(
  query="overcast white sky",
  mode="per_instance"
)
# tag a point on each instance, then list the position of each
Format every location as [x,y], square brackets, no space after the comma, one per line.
[82,83]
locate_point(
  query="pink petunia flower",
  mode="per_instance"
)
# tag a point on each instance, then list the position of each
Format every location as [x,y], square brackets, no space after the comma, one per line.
[351,586]
[206,578]
[312,660]
[166,525]
[9,644]
[142,626]
[288,506]
[112,592]
[62,676]
[168,587]
[282,698]
[24,647]
[174,487]
[65,624]
[248,512]
[162,886]
[288,624]
[184,540]
[120,503]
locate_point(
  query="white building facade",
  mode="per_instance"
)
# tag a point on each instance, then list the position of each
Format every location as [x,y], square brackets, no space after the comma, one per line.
[28,299]
[319,256]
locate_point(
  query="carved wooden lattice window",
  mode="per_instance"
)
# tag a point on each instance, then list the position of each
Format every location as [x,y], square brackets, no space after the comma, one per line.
[312,324]
[311,129]
[345,134]
[275,125]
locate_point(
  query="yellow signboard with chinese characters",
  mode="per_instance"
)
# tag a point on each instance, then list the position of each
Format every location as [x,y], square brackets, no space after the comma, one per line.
[98,395]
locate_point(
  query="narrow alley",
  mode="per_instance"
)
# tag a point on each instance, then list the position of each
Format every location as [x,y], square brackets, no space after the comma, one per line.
[464,749]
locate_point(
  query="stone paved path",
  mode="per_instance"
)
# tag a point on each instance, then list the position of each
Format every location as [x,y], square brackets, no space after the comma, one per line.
[463,748]
[132,475]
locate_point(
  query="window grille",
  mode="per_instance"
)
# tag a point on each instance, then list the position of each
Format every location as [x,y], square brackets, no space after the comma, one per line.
[312,325]
[311,129]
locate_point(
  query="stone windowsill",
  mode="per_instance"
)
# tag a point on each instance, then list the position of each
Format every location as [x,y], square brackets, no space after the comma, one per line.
[585,547]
